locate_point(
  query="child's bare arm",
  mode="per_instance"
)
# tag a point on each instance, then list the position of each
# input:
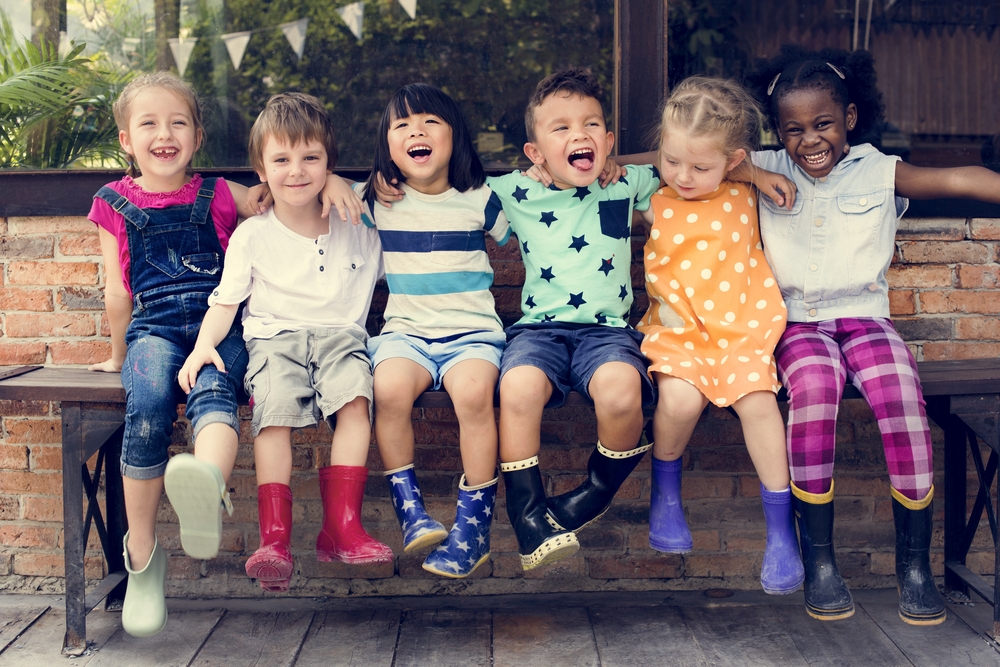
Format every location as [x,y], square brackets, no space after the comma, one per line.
[116,301]
[959,182]
[386,193]
[214,328]
[778,187]
[610,174]
[338,192]
[250,201]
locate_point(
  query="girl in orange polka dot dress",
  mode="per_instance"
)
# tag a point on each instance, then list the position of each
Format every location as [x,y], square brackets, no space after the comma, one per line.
[715,314]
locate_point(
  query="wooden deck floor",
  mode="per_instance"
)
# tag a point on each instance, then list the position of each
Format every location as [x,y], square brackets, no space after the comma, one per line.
[686,628]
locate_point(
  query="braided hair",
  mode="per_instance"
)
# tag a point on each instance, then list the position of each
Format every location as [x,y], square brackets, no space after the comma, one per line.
[849,78]
[701,106]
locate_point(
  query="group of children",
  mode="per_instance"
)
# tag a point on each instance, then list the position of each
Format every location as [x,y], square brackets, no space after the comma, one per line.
[746,293]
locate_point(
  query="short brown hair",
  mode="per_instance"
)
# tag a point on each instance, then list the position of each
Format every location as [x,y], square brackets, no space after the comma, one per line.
[292,117]
[573,80]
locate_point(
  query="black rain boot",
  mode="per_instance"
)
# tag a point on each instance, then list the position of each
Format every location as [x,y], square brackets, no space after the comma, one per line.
[537,541]
[920,603]
[827,596]
[607,471]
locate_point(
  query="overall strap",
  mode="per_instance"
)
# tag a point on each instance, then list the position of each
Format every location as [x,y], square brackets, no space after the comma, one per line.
[203,202]
[122,205]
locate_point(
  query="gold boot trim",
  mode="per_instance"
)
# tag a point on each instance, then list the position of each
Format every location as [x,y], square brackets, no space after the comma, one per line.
[813,498]
[913,504]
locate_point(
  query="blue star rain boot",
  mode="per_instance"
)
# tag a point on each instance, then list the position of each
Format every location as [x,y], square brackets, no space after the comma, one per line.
[468,544]
[419,529]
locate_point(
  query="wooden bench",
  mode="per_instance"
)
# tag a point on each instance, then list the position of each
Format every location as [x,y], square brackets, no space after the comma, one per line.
[963,398]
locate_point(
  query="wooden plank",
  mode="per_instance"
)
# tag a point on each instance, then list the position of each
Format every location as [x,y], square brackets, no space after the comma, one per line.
[630,637]
[977,615]
[15,621]
[350,639]
[855,641]
[444,638]
[533,636]
[176,645]
[952,643]
[255,639]
[40,645]
[742,636]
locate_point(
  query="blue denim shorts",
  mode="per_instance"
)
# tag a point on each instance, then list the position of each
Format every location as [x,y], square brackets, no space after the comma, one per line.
[570,354]
[159,338]
[438,356]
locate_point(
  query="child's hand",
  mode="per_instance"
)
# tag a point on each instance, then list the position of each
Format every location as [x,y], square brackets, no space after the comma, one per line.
[259,198]
[386,193]
[109,366]
[611,173]
[779,188]
[200,356]
[338,192]
[540,174]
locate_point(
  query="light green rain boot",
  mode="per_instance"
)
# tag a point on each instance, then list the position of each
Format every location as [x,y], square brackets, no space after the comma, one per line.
[144,612]
[197,492]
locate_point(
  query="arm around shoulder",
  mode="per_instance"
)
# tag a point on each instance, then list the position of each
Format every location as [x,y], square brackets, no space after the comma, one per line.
[956,182]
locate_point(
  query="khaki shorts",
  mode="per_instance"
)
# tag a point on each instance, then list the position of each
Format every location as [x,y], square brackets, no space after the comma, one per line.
[297,378]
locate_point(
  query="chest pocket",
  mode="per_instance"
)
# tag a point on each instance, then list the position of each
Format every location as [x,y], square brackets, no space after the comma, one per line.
[352,275]
[863,211]
[614,218]
[777,221]
[172,245]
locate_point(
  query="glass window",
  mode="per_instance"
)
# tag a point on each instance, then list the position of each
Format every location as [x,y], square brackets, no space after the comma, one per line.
[487,54]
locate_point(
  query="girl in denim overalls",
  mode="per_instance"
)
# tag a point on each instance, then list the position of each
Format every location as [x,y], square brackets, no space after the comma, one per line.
[163,236]
[830,254]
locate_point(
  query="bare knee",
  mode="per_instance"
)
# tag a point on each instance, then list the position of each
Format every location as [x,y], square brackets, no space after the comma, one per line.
[616,389]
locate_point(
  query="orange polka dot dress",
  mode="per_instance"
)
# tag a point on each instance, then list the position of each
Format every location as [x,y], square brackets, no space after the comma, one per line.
[715,312]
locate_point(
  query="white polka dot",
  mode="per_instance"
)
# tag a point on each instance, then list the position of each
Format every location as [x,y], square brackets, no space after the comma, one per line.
[716,225]
[651,277]
[758,351]
[743,298]
[766,358]
[753,324]
[651,256]
[686,364]
[723,360]
[698,359]
[724,286]
[730,317]
[668,213]
[709,305]
[664,260]
[720,401]
[678,239]
[736,237]
[692,217]
[701,319]
[761,305]
[759,246]
[704,380]
[711,362]
[706,273]
[701,245]
[753,377]
[731,378]
[655,337]
[689,345]
[665,369]
[750,201]
[655,234]
[743,359]
[767,335]
[689,291]
[733,191]
[686,264]
[777,318]
[722,255]
[673,298]
[723,343]
[675,284]
[727,207]
[678,330]
[753,262]
[744,218]
[768,282]
[724,323]
[738,267]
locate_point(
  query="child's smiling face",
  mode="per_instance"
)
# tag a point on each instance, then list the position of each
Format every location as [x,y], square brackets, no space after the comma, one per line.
[420,145]
[571,139]
[694,166]
[162,137]
[813,128]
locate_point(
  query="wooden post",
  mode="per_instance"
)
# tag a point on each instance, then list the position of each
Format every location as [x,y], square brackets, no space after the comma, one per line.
[640,71]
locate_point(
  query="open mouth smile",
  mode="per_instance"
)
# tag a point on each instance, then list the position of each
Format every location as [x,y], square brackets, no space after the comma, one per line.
[164,153]
[582,159]
[816,159]
[420,152]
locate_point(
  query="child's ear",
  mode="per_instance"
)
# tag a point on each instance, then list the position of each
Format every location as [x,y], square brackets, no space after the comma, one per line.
[262,176]
[738,156]
[125,142]
[535,155]
[611,141]
[851,117]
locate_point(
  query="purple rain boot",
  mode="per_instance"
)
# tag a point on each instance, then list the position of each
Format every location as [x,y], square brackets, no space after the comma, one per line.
[668,531]
[782,571]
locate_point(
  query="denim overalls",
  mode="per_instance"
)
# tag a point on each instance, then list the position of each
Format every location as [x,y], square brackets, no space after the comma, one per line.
[176,262]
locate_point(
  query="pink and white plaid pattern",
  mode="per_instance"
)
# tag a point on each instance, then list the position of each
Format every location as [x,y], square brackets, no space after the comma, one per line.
[813,361]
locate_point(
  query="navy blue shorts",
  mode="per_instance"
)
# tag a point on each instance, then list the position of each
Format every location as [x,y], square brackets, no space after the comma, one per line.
[570,354]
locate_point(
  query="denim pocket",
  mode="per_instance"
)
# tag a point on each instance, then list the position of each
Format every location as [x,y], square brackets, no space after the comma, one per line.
[168,244]
[614,218]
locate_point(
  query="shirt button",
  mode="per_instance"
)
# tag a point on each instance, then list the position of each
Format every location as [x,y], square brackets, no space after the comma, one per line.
[813,267]
[321,251]
[819,222]
[862,201]
[873,287]
[354,266]
[812,312]
[321,268]
[823,179]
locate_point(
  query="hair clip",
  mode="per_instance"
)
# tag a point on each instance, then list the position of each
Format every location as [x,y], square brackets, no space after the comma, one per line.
[837,70]
[774,82]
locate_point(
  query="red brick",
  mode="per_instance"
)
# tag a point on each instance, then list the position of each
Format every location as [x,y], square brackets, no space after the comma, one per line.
[49,484]
[49,224]
[52,565]
[984,229]
[666,566]
[11,408]
[722,565]
[919,276]
[960,350]
[977,328]
[32,431]
[52,273]
[978,276]
[745,540]
[21,325]
[25,247]
[80,352]
[13,354]
[13,298]
[947,252]
[708,486]
[960,301]
[43,508]
[902,302]
[13,457]
[31,537]
[931,229]
[80,244]
[9,508]
[46,458]
[573,568]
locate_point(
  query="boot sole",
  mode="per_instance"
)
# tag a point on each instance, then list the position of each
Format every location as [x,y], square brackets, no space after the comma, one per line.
[672,549]
[783,591]
[936,619]
[329,557]
[551,550]
[454,575]
[830,615]
[551,520]
[194,494]
[282,569]
[428,540]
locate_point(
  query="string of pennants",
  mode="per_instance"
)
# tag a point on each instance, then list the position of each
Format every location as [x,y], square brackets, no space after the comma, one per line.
[294,31]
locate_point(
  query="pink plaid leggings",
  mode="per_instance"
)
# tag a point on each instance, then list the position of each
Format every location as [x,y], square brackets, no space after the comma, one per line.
[814,359]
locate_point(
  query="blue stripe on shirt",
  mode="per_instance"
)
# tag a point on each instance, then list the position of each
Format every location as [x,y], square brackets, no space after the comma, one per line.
[493,209]
[401,241]
[426,284]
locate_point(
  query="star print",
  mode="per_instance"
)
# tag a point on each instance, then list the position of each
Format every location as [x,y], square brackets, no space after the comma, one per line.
[530,301]
[464,546]
[601,318]
[460,503]
[623,293]
[396,479]
[409,505]
[473,521]
[416,491]
[488,511]
[621,179]
[478,495]
[524,246]
[656,172]
[548,318]
[548,217]
[481,539]
[547,274]
[452,564]
[607,265]
[520,194]
[578,243]
[576,300]
[581,193]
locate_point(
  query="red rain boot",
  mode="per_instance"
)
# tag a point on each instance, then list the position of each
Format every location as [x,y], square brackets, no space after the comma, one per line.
[271,564]
[343,537]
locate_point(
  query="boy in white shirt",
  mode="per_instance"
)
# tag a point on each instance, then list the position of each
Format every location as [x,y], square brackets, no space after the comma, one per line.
[308,281]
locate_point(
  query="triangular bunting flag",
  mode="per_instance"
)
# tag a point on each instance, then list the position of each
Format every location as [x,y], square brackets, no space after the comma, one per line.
[182,51]
[236,44]
[295,33]
[410,6]
[353,15]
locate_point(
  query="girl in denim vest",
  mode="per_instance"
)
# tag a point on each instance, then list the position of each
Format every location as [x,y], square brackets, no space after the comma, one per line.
[830,253]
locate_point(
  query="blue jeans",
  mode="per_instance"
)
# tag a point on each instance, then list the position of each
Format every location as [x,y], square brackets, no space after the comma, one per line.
[160,337]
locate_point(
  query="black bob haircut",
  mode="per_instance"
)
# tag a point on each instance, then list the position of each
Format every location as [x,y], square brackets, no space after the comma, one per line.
[799,68]
[465,170]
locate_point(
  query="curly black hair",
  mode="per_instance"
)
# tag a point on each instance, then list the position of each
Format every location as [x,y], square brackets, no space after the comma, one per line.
[797,67]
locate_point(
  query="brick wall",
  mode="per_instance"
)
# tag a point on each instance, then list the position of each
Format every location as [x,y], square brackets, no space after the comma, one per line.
[945,300]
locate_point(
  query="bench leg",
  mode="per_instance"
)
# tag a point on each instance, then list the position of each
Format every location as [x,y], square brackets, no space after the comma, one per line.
[955,444]
[75,640]
[114,499]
